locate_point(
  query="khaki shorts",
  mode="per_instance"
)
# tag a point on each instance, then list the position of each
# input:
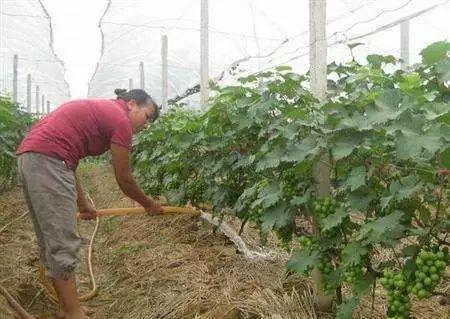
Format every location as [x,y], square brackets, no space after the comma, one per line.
[50,190]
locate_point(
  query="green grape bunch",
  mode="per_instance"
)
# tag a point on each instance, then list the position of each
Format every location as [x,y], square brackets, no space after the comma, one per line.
[307,242]
[290,183]
[399,303]
[327,267]
[196,190]
[285,234]
[431,267]
[262,184]
[325,207]
[354,273]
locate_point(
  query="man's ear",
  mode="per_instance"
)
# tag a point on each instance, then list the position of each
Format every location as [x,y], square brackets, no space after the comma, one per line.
[130,104]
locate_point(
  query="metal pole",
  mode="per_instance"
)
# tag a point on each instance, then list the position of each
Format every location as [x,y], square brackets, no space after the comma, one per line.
[43,104]
[29,93]
[204,54]
[37,100]
[48,106]
[130,84]
[318,69]
[164,75]
[142,75]
[15,74]
[404,44]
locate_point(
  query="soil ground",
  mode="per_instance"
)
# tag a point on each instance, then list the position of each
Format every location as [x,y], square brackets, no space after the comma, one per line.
[164,267]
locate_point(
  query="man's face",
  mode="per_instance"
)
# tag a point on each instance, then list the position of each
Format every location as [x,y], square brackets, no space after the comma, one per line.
[140,116]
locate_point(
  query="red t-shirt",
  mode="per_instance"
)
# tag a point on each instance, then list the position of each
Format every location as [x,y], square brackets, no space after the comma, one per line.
[80,128]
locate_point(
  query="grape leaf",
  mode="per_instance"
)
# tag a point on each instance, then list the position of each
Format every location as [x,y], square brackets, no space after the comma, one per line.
[335,219]
[270,160]
[269,195]
[383,229]
[360,199]
[435,52]
[299,151]
[345,144]
[302,260]
[443,67]
[345,310]
[277,216]
[353,253]
[356,178]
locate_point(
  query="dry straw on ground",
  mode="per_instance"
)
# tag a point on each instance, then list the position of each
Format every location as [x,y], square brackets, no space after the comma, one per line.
[165,267]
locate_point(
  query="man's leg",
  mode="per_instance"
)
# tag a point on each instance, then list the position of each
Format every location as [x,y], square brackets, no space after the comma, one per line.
[66,290]
[51,190]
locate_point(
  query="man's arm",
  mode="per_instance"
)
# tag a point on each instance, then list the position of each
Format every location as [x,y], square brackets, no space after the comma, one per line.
[126,181]
[81,196]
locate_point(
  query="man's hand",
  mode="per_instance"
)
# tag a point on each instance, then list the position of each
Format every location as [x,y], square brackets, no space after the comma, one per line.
[154,209]
[444,172]
[87,211]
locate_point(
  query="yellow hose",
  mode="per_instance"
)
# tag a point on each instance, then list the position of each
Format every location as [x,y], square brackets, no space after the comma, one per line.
[140,210]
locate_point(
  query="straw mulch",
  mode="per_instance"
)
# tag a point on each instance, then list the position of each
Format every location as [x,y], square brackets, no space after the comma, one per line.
[164,267]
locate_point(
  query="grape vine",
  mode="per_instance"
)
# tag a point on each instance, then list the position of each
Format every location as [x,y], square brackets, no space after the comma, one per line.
[387,133]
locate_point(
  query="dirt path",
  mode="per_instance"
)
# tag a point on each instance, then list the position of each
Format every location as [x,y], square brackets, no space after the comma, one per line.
[162,267]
